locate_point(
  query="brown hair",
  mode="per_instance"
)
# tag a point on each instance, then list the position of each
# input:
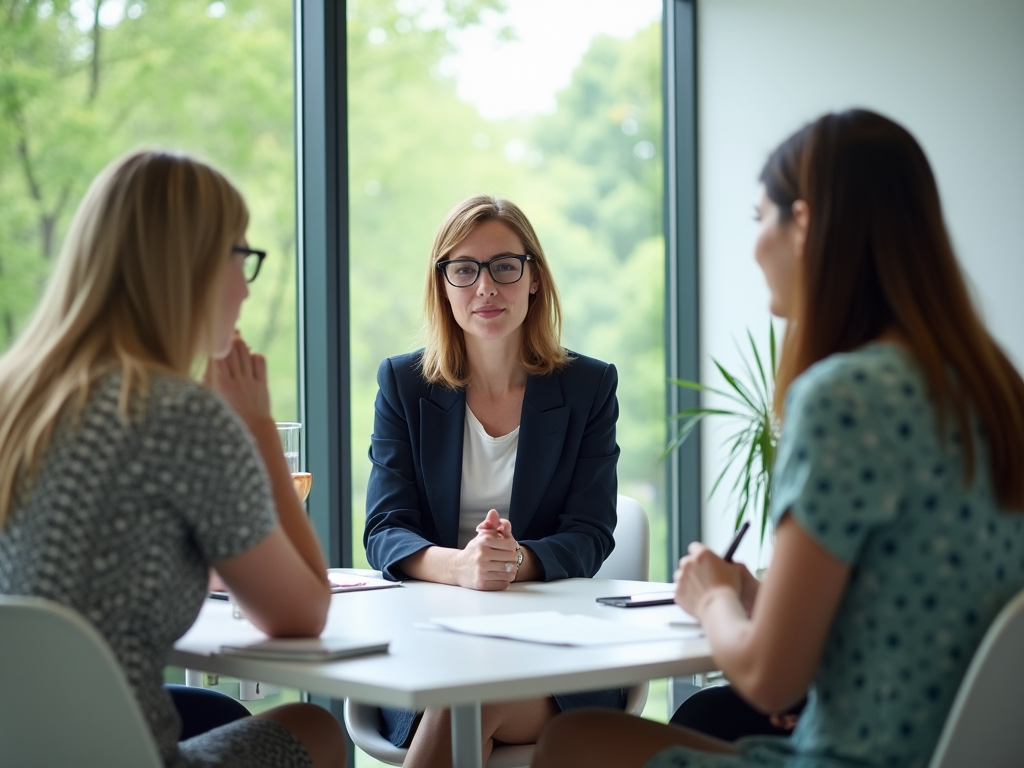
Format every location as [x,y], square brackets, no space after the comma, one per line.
[136,289]
[877,256]
[444,356]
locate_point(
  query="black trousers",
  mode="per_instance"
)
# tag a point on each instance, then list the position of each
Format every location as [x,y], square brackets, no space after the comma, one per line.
[720,712]
[202,710]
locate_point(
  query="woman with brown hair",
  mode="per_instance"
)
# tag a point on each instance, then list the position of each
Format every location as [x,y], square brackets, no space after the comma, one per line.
[493,450]
[897,489]
[123,480]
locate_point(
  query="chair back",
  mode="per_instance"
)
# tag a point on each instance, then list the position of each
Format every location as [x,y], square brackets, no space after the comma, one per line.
[63,697]
[631,557]
[984,724]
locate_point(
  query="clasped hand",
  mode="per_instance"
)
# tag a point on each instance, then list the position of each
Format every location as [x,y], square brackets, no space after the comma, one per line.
[489,560]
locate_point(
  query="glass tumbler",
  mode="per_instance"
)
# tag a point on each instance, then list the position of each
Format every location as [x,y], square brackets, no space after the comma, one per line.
[290,433]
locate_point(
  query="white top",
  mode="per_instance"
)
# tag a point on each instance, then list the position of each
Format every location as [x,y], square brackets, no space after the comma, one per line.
[488,466]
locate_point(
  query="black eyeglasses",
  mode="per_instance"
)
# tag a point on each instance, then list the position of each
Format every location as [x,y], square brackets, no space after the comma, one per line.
[506,268]
[253,260]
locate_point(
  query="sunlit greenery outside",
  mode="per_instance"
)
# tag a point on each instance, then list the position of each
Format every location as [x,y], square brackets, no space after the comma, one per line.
[83,82]
[589,177]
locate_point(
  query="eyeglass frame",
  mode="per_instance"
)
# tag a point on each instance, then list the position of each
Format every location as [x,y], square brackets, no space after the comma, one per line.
[523,258]
[259,254]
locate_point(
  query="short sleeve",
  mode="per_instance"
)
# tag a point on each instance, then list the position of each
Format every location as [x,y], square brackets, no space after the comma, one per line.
[836,471]
[215,475]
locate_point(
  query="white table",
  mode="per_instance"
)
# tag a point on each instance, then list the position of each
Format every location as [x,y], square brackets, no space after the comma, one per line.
[428,667]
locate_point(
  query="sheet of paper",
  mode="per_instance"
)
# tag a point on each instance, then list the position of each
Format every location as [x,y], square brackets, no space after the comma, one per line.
[554,628]
[348,582]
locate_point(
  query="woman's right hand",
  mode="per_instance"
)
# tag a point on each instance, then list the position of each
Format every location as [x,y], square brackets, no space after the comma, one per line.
[488,561]
[241,379]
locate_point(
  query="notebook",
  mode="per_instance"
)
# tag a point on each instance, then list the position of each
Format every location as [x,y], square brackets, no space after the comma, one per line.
[341,580]
[307,649]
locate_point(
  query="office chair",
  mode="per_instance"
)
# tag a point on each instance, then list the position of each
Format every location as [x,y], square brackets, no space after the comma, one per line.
[63,697]
[983,727]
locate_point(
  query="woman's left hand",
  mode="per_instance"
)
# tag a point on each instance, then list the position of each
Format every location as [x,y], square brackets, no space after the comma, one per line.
[700,573]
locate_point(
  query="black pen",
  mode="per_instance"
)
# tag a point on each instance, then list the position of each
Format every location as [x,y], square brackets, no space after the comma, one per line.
[736,542]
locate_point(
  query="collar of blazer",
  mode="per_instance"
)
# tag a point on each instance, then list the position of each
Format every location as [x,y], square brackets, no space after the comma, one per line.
[542,429]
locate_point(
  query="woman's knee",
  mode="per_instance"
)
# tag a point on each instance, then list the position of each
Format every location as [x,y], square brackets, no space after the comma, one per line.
[562,737]
[318,730]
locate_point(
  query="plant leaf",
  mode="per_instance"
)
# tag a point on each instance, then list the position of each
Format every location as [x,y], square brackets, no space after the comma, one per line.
[686,384]
[687,412]
[735,384]
[760,365]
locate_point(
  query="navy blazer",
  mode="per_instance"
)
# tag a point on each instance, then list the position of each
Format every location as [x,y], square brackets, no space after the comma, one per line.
[563,490]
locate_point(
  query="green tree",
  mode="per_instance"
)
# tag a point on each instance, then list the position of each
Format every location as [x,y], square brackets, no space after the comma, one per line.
[78,89]
[416,150]
[84,82]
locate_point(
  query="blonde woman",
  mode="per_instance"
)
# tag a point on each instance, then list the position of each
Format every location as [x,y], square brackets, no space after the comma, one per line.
[493,450]
[123,481]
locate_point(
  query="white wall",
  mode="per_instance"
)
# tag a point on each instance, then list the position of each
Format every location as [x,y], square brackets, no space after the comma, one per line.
[951,72]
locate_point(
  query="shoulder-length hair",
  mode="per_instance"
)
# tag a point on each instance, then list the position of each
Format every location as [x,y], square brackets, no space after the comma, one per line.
[877,256]
[444,356]
[136,288]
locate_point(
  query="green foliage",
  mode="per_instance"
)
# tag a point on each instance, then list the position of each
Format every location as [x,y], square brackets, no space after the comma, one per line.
[752,447]
[169,75]
[596,206]
[175,74]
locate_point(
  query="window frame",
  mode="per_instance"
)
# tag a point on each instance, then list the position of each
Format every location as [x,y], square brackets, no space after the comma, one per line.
[322,223]
[682,262]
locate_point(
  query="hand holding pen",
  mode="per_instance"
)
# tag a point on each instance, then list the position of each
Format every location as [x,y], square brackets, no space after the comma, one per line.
[702,571]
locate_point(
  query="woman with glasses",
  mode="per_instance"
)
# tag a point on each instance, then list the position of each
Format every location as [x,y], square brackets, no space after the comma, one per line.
[898,493]
[493,450]
[123,480]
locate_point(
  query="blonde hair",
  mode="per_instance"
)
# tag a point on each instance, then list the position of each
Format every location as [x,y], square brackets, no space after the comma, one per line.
[136,289]
[444,356]
[878,256]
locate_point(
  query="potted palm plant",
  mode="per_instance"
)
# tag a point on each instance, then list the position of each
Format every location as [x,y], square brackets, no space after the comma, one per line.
[752,446]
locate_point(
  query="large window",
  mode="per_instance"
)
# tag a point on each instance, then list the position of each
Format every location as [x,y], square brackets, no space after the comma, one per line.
[86,81]
[83,82]
[556,105]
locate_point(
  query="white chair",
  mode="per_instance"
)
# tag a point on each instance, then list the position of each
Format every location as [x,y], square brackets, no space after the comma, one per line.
[631,557]
[63,697]
[984,724]
[629,560]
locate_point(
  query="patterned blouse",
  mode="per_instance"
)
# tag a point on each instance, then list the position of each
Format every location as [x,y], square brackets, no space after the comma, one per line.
[123,523]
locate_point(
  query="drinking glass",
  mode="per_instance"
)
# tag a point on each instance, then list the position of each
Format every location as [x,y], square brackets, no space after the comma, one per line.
[290,432]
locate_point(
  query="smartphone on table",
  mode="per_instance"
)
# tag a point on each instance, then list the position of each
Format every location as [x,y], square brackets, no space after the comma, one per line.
[667,598]
[639,600]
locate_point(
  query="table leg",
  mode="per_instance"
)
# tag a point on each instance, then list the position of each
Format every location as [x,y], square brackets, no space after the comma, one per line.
[466,738]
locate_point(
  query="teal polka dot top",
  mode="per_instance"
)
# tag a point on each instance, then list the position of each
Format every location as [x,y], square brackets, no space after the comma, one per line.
[863,469]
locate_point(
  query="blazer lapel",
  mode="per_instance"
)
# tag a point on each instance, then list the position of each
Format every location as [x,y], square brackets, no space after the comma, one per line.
[442,421]
[542,428]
